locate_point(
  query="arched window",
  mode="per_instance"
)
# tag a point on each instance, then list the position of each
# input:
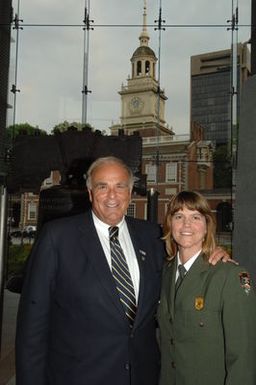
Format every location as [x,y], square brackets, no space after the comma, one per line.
[138,68]
[147,67]
[133,70]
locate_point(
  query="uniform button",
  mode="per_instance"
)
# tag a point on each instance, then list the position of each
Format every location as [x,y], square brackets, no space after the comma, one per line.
[201,324]
[172,341]
[173,365]
[127,366]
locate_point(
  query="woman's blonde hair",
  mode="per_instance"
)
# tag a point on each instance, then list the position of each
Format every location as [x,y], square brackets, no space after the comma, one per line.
[192,200]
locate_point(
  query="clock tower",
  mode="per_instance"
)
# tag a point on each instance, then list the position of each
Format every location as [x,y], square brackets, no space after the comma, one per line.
[142,100]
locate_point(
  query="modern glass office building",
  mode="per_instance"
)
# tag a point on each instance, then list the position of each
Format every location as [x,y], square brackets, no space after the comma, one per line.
[211,91]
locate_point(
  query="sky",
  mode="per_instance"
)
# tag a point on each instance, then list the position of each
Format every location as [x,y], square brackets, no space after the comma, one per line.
[50,58]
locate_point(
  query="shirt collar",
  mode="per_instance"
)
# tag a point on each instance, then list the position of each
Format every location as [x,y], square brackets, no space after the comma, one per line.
[190,262]
[103,227]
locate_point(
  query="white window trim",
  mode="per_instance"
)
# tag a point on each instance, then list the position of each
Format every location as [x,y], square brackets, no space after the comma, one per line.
[171,172]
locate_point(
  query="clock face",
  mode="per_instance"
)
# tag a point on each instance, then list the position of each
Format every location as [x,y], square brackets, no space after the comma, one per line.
[136,104]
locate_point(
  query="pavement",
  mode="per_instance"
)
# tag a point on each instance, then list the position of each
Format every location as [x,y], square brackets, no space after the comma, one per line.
[7,358]
[7,353]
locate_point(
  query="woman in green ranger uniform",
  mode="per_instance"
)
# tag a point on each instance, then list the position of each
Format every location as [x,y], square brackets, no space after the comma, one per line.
[207,314]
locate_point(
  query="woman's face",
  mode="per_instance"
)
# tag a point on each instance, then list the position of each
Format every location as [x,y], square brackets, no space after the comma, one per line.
[188,230]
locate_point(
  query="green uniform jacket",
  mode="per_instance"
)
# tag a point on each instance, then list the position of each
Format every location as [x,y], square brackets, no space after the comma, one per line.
[208,334]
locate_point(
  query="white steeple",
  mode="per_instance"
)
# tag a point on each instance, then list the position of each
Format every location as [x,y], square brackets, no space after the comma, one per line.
[143,104]
[144,36]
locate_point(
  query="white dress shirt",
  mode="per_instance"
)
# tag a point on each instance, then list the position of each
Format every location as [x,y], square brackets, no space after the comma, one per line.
[126,244]
[188,264]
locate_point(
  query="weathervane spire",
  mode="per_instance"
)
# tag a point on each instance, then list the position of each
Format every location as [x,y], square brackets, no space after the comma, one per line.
[144,36]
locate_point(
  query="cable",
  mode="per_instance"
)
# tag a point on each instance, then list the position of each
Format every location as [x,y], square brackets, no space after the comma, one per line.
[133,25]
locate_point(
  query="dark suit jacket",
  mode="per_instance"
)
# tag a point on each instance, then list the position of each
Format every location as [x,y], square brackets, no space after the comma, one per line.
[208,334]
[71,327]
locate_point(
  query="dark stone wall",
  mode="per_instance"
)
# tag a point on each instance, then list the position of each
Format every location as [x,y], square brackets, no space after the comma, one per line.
[5,28]
[253,38]
[244,240]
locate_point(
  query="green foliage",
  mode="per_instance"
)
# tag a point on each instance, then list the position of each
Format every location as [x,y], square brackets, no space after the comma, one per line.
[17,256]
[222,167]
[23,129]
[65,126]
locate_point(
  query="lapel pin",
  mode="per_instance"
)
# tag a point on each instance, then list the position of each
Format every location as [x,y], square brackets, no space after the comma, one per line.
[143,255]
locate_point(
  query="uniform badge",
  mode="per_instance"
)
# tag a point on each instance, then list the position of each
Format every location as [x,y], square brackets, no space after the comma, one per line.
[245,281]
[199,303]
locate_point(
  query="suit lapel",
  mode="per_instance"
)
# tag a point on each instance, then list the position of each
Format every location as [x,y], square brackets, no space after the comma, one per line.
[141,255]
[91,247]
[168,286]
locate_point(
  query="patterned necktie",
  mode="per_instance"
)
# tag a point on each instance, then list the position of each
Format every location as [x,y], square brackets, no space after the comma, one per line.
[121,274]
[182,273]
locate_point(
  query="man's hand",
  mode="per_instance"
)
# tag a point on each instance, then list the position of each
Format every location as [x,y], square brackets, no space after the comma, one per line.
[220,254]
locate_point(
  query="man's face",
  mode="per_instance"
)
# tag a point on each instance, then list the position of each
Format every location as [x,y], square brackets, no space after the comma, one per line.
[110,193]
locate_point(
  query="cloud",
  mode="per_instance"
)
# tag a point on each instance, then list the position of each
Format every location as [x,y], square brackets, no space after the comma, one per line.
[50,65]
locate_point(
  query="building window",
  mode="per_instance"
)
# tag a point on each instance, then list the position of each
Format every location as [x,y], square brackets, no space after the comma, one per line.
[147,67]
[150,170]
[138,68]
[171,191]
[171,172]
[131,211]
[32,211]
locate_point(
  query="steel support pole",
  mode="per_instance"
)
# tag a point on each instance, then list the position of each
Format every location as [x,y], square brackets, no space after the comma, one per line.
[3,221]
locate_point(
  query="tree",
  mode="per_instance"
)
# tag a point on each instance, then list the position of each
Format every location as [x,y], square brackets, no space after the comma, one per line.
[23,129]
[222,167]
[65,126]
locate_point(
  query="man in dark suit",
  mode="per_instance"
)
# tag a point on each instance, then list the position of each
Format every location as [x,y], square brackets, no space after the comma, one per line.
[73,327]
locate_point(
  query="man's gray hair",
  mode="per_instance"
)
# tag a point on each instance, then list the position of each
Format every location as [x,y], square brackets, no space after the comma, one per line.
[108,160]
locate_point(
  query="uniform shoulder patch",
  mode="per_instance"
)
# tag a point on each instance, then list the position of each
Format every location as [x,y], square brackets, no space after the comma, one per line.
[245,281]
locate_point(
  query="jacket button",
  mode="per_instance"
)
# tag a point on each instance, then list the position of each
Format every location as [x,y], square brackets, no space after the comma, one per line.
[127,366]
[172,341]
[201,324]
[173,365]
